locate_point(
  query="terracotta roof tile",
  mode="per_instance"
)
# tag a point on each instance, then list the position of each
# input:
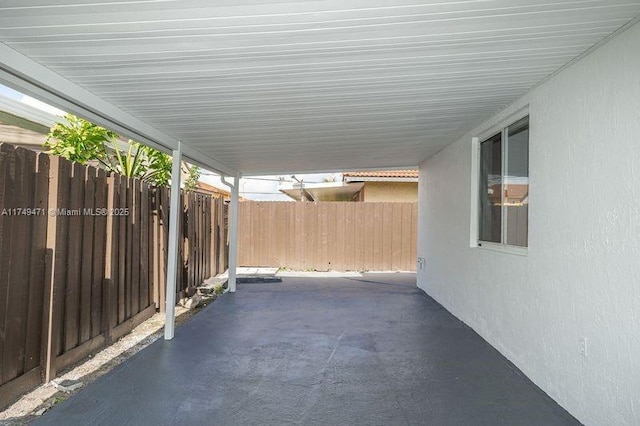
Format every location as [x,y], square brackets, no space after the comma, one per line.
[384,174]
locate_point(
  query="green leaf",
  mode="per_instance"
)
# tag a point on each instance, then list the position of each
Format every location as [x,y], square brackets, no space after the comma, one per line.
[81,141]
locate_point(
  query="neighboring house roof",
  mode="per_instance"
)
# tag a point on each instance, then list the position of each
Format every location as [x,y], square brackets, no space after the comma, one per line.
[19,136]
[352,183]
[210,189]
[326,191]
[24,125]
[381,176]
[21,112]
[384,174]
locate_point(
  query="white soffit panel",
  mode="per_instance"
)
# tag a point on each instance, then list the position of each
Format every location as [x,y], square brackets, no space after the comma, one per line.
[270,87]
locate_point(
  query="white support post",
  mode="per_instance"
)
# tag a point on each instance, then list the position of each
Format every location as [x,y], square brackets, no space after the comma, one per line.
[233,234]
[172,258]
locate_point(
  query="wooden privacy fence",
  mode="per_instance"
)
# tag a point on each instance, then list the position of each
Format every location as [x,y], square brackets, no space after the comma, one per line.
[345,236]
[204,251]
[83,260]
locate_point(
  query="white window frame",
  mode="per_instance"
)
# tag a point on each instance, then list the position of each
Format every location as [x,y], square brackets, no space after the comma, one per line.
[474,237]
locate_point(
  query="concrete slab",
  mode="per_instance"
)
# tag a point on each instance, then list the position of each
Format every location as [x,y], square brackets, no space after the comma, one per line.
[256,271]
[317,274]
[247,272]
[370,350]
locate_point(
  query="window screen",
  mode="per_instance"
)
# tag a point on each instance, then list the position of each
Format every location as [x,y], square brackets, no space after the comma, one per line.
[516,184]
[491,189]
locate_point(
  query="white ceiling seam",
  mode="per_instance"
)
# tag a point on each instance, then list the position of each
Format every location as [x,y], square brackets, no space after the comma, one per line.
[287,49]
[271,87]
[318,25]
[286,17]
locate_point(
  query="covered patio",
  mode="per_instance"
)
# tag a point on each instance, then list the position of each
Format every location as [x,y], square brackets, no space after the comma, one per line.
[548,277]
[373,350]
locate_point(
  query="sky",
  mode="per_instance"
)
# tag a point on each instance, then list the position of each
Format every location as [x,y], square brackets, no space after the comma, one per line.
[10,93]
[263,188]
[28,100]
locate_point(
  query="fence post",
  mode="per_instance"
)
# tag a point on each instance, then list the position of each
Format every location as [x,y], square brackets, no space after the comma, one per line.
[107,316]
[110,270]
[59,175]
[224,227]
[47,353]
[215,236]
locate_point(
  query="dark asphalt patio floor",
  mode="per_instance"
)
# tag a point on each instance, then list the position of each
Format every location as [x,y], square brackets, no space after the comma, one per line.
[316,351]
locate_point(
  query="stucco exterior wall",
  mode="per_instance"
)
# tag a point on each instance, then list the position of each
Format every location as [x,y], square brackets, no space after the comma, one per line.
[581,277]
[404,192]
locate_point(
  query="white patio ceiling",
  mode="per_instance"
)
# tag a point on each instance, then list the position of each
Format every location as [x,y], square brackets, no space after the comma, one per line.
[273,87]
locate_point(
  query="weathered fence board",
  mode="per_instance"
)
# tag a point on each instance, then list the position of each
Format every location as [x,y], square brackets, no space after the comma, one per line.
[328,235]
[22,254]
[99,262]
[16,303]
